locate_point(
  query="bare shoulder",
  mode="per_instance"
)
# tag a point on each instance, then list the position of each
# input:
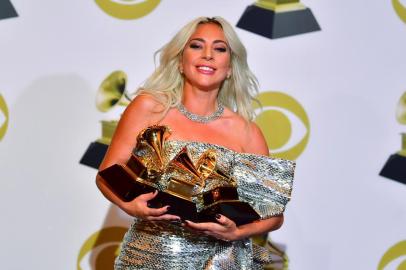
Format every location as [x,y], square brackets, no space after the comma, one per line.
[249,134]
[142,112]
[256,143]
[144,105]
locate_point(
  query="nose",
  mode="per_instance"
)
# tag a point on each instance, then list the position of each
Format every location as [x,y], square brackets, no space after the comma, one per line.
[207,53]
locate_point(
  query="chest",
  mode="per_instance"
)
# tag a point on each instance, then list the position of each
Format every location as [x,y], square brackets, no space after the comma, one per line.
[219,132]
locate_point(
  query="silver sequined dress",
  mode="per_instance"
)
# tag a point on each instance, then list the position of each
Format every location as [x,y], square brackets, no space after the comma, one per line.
[264,182]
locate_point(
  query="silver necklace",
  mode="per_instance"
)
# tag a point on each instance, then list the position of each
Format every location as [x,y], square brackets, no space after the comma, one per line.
[202,119]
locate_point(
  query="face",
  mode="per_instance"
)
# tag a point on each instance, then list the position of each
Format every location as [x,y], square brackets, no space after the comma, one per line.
[206,58]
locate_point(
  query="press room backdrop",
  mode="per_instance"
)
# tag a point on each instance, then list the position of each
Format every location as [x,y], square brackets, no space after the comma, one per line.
[329,97]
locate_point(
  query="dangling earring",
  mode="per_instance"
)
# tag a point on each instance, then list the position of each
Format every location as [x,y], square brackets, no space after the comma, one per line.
[181,70]
[228,76]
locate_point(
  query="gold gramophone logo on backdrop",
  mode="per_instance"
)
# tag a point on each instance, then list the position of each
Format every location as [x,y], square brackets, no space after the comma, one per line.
[102,247]
[278,18]
[127,9]
[7,10]
[111,93]
[395,166]
[3,117]
[392,257]
[285,124]
[399,9]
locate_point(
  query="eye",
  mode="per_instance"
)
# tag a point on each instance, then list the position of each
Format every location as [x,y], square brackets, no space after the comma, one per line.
[284,123]
[194,45]
[221,49]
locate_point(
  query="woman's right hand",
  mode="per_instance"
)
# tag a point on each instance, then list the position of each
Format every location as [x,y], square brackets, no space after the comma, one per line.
[139,208]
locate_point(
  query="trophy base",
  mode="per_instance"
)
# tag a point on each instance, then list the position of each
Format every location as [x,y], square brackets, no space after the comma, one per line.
[271,24]
[395,168]
[240,212]
[7,10]
[182,208]
[94,155]
[122,183]
[125,186]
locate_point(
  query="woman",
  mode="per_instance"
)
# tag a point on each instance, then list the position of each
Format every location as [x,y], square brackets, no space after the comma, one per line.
[202,90]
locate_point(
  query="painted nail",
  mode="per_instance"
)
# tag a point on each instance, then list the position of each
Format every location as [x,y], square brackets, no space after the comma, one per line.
[218,216]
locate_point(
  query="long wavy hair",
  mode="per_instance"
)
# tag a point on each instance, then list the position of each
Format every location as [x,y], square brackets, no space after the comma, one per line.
[166,83]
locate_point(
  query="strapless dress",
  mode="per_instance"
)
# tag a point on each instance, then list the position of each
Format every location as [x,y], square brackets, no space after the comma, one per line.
[264,182]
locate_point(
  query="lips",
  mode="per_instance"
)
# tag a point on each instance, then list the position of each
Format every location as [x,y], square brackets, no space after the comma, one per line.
[206,69]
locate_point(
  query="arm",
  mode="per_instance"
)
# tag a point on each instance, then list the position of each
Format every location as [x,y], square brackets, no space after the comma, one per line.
[226,229]
[143,111]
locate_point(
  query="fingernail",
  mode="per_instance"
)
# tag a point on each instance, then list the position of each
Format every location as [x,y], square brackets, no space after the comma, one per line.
[168,207]
[218,216]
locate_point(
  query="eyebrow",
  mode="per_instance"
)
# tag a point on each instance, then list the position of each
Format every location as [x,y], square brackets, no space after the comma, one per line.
[216,41]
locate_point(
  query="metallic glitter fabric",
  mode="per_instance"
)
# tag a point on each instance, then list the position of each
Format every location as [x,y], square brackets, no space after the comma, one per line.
[264,182]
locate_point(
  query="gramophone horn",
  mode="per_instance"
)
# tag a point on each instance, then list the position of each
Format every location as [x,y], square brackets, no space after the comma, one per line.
[184,163]
[112,91]
[207,168]
[401,110]
[155,137]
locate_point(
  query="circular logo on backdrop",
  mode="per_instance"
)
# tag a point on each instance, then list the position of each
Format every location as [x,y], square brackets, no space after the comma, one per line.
[284,123]
[103,247]
[128,9]
[394,257]
[3,117]
[400,9]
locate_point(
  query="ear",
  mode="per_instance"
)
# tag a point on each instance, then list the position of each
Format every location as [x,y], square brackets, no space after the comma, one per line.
[229,72]
[180,64]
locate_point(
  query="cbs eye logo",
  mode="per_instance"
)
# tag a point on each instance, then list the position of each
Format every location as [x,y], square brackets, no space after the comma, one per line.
[101,249]
[3,117]
[394,257]
[284,123]
[128,9]
[400,9]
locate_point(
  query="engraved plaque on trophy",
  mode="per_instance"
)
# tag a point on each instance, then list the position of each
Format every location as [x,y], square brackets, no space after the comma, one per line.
[278,18]
[394,167]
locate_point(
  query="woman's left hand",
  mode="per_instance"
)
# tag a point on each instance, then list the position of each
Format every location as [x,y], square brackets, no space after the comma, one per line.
[225,229]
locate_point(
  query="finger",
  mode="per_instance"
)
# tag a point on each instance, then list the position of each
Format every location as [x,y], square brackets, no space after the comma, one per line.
[148,196]
[204,226]
[156,212]
[165,217]
[225,221]
[210,234]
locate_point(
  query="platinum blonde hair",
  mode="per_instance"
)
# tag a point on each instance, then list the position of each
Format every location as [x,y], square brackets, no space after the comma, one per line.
[166,82]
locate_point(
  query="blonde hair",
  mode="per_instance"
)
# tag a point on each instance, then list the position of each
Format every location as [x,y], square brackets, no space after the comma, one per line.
[166,82]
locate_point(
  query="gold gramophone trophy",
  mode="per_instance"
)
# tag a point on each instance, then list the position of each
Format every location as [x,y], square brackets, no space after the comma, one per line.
[195,192]
[177,180]
[111,93]
[278,18]
[395,166]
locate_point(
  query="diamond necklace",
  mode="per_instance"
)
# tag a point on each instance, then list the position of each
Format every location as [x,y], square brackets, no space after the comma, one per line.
[202,119]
